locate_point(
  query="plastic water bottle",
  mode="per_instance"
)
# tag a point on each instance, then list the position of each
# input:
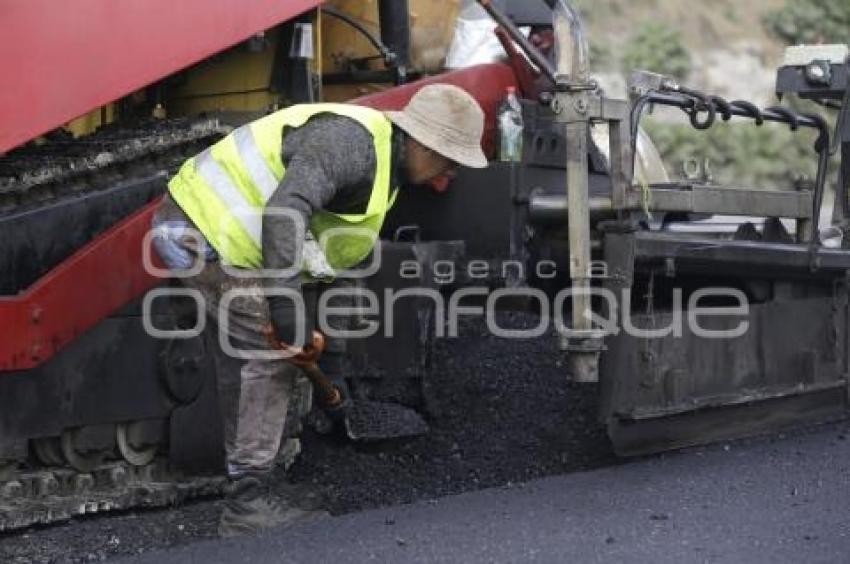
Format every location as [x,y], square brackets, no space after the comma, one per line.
[510,127]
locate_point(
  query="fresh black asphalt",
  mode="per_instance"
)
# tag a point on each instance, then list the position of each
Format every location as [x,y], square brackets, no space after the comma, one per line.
[780,499]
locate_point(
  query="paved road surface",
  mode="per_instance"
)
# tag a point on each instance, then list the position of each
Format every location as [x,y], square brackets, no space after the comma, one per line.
[785,499]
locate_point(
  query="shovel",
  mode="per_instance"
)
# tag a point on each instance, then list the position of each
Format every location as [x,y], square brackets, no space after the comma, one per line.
[363,420]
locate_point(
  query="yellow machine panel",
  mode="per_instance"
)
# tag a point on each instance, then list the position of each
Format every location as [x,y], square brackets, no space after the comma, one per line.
[432,25]
[238,80]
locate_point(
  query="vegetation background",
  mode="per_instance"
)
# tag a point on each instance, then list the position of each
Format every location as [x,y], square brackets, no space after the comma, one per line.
[724,47]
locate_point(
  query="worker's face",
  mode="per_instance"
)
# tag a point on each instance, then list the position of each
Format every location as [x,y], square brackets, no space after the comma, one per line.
[424,165]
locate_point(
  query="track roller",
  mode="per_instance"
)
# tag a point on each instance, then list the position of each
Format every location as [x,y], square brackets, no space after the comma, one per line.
[132,447]
[48,450]
[79,455]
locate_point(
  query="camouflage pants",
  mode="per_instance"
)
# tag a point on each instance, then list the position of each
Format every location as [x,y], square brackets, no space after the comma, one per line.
[255,395]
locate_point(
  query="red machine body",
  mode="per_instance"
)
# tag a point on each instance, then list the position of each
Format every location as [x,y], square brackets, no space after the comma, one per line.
[68,58]
[84,383]
[108,272]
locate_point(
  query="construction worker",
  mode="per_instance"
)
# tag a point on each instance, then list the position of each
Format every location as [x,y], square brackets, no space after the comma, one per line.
[261,199]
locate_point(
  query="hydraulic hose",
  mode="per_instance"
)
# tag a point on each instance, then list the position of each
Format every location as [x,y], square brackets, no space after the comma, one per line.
[388,55]
[693,102]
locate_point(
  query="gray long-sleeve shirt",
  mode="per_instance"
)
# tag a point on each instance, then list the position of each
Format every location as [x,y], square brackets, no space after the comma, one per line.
[330,164]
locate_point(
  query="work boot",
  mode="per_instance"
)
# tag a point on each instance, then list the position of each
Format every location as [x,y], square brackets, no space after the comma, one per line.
[248,508]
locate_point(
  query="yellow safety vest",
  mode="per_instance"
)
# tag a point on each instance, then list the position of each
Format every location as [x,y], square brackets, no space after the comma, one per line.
[225,188]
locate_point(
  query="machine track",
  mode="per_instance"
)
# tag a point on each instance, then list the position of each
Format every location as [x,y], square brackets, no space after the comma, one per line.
[44,495]
[38,174]
[35,491]
[47,496]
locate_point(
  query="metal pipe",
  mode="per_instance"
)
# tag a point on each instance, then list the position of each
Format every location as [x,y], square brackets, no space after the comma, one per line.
[394,17]
[581,344]
[536,56]
[578,216]
[572,53]
[551,208]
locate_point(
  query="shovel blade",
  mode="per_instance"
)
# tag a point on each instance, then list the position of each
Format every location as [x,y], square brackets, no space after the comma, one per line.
[374,421]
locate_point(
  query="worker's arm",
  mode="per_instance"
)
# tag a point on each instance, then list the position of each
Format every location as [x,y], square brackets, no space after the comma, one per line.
[329,160]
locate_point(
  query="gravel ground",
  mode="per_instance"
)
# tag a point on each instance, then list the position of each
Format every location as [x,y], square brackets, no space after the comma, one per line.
[502,412]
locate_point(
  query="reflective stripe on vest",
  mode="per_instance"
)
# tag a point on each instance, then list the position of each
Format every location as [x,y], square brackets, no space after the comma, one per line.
[224,189]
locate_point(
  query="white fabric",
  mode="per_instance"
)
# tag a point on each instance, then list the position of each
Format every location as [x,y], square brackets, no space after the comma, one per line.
[474,42]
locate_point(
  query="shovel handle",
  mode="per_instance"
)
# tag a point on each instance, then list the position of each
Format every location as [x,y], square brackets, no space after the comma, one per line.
[308,354]
[328,395]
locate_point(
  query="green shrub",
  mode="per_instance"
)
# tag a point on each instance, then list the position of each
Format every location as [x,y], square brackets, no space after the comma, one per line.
[811,21]
[657,48]
[600,55]
[740,154]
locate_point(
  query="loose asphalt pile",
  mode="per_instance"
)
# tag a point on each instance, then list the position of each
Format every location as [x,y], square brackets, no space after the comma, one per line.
[501,412]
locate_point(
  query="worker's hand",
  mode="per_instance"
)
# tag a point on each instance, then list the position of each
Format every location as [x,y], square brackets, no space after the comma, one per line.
[308,355]
[286,322]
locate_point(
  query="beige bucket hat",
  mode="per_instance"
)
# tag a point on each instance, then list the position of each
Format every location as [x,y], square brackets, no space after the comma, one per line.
[446,119]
